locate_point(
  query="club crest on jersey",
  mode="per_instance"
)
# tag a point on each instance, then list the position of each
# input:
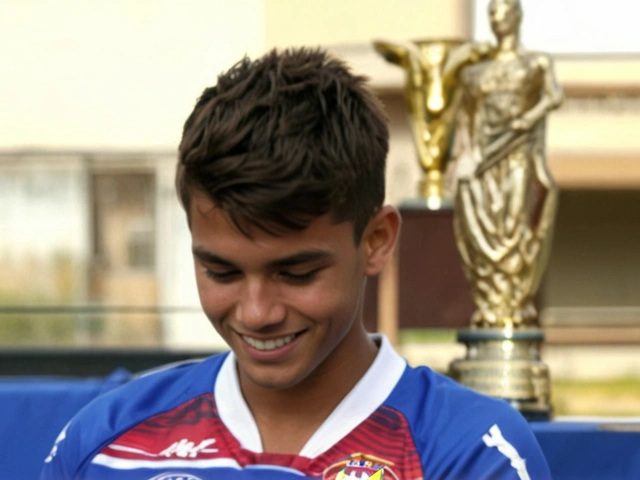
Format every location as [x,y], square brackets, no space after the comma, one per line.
[175,476]
[360,466]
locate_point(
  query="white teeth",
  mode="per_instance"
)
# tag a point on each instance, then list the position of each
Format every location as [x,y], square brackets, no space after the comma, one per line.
[268,344]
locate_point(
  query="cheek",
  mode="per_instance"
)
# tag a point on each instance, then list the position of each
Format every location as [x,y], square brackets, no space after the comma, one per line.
[215,300]
[338,297]
[328,302]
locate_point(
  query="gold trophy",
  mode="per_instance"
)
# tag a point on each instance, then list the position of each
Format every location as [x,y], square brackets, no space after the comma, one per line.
[504,212]
[432,97]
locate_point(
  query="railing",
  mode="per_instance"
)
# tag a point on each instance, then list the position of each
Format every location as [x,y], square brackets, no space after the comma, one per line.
[89,340]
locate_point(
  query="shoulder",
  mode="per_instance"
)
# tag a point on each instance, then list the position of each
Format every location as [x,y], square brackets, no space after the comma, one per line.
[540,59]
[428,395]
[126,406]
[462,432]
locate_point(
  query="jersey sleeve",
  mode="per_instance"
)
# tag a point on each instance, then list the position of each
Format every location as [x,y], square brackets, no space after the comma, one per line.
[507,450]
[485,438]
[459,433]
[115,412]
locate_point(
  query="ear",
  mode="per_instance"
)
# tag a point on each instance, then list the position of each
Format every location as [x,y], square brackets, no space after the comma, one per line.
[379,238]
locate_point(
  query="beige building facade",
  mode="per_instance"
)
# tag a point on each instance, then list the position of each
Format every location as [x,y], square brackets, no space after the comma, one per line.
[113,85]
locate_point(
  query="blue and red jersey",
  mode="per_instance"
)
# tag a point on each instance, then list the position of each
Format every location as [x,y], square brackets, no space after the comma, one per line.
[191,422]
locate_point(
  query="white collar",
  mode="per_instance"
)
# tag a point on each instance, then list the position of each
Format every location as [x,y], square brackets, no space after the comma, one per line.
[367,395]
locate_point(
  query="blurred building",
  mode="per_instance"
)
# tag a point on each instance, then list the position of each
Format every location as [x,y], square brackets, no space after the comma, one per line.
[93,98]
[593,281]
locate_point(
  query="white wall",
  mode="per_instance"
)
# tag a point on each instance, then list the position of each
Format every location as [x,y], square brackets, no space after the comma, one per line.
[52,191]
[118,73]
[331,22]
[176,277]
[572,26]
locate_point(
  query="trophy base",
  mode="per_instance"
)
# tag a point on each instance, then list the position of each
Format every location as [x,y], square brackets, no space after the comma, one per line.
[505,363]
[430,195]
[427,203]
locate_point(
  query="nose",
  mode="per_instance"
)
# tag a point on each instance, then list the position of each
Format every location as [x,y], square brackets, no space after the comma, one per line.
[259,305]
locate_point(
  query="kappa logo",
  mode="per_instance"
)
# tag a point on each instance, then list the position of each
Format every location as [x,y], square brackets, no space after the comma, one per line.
[175,476]
[181,449]
[186,449]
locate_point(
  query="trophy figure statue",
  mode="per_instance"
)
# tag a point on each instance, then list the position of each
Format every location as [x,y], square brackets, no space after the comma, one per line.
[504,212]
[432,97]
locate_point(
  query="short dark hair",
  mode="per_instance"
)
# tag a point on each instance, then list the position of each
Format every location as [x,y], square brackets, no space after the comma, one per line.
[284,139]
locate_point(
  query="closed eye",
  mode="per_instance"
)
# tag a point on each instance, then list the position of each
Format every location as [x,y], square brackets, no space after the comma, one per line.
[300,278]
[225,276]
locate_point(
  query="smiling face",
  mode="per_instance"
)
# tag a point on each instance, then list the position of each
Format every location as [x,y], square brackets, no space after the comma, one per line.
[288,306]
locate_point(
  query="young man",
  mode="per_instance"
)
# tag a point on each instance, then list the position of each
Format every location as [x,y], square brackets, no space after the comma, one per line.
[281,175]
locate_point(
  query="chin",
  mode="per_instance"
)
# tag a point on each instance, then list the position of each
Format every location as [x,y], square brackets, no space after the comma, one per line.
[267,378]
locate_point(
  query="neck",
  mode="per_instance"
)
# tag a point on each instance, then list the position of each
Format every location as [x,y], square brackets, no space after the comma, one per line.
[508,45]
[298,411]
[324,388]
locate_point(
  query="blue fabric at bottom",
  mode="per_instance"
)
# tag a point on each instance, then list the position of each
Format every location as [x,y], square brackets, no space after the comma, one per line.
[590,450]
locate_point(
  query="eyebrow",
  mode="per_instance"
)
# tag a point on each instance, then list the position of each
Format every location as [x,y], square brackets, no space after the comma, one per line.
[210,257]
[299,258]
